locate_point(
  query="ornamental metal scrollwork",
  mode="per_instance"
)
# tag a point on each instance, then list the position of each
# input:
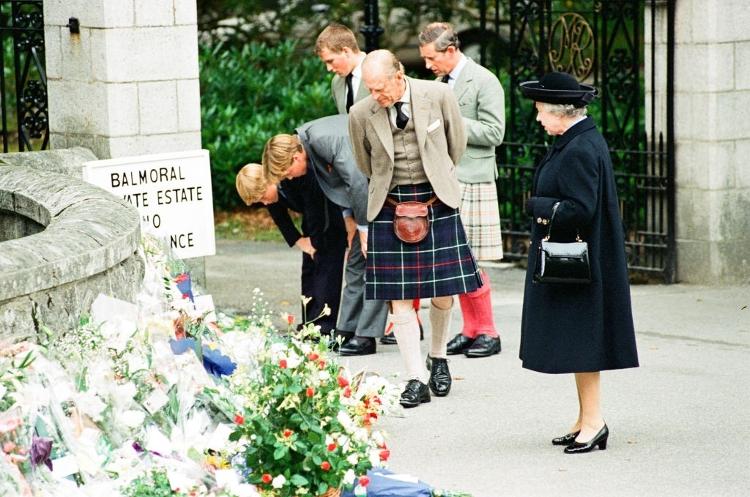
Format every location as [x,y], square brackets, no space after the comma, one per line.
[571,46]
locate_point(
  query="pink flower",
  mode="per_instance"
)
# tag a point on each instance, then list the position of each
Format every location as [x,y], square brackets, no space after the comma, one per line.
[364,481]
[310,391]
[239,419]
[325,466]
[385,454]
[331,447]
[282,363]
[343,381]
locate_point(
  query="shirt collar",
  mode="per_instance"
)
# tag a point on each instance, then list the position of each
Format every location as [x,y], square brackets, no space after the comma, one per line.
[456,72]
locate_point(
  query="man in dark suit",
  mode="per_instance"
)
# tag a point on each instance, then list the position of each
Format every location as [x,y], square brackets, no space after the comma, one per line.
[480,97]
[322,241]
[322,146]
[337,48]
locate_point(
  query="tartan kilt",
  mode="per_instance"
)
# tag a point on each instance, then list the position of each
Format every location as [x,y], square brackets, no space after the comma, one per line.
[441,264]
[480,214]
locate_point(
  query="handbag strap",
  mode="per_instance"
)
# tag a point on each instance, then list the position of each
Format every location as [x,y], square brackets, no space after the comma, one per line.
[552,218]
[428,203]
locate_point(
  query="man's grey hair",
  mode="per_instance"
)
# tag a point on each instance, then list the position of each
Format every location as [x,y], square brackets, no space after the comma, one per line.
[564,110]
[382,62]
[441,34]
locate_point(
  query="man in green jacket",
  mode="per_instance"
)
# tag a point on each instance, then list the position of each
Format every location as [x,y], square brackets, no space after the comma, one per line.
[482,103]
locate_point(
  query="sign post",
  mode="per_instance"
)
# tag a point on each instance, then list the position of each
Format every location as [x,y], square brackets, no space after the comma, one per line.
[171,191]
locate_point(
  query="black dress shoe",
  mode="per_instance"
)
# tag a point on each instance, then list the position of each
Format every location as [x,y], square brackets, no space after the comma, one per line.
[440,377]
[339,338]
[390,338]
[566,439]
[358,346]
[599,440]
[414,394]
[458,344]
[483,346]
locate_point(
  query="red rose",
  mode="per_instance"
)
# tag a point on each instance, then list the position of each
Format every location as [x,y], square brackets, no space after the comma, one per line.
[282,363]
[288,433]
[325,466]
[364,481]
[385,454]
[331,447]
[347,392]
[343,381]
[266,478]
[312,356]
[310,391]
[290,319]
[321,364]
[239,419]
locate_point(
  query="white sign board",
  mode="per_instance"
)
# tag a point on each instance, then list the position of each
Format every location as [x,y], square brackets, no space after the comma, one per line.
[171,191]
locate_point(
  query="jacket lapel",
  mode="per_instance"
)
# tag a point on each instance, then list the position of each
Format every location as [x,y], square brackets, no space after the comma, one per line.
[464,79]
[420,105]
[379,120]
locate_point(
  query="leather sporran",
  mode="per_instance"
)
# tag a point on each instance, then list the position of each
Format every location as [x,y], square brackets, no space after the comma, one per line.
[562,262]
[410,220]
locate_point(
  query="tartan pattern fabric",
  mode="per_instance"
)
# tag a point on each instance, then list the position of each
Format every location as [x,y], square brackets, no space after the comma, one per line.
[480,214]
[441,264]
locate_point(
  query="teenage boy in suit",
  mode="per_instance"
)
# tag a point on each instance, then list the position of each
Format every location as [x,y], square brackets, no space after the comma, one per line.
[337,48]
[322,240]
[321,148]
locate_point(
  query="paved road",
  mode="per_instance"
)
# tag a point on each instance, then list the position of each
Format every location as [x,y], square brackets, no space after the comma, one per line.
[679,423]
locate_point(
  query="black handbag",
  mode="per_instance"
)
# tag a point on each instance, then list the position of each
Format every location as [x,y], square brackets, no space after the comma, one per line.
[559,262]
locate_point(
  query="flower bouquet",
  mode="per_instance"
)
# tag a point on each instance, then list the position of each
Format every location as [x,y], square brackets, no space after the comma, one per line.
[307,423]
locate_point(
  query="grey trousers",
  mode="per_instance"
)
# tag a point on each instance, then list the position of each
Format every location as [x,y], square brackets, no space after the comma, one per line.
[366,318]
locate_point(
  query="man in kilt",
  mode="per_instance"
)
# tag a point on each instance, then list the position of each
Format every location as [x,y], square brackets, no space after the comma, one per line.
[407,137]
[482,103]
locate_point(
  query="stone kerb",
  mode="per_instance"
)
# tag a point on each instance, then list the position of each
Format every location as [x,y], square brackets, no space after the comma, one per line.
[88,247]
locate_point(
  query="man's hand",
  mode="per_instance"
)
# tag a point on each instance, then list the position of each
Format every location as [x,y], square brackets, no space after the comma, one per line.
[351,229]
[305,245]
[363,242]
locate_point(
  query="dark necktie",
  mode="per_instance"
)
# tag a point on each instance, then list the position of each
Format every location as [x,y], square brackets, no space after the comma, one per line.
[349,92]
[446,78]
[401,118]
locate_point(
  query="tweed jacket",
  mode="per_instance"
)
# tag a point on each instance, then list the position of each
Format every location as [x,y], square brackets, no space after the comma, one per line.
[482,102]
[338,90]
[329,155]
[441,139]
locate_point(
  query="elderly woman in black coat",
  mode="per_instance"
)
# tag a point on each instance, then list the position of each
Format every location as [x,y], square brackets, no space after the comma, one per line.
[577,328]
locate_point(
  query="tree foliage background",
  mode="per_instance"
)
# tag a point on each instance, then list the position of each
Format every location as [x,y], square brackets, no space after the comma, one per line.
[259,75]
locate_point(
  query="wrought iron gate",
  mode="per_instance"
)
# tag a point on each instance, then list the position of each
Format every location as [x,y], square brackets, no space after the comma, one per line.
[602,43]
[23,82]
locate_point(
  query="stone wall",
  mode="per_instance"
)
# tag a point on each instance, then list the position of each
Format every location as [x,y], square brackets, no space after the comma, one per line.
[88,246]
[712,133]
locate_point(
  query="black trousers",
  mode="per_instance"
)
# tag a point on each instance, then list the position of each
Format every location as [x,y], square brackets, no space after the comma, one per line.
[321,280]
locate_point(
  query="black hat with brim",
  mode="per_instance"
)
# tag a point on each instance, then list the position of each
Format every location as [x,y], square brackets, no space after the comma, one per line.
[559,88]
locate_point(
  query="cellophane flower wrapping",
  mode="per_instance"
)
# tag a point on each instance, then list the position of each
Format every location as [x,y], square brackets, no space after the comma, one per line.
[114,410]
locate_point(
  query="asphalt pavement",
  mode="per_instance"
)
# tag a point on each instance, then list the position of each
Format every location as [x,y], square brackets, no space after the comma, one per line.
[679,424]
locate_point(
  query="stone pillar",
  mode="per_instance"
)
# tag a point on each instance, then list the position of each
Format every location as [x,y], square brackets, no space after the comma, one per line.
[712,133]
[127,84]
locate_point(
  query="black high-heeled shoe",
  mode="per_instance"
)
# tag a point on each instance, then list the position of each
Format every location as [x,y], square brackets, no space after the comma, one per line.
[566,439]
[600,440]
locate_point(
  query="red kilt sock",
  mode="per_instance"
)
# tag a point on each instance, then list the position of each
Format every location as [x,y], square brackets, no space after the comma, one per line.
[476,308]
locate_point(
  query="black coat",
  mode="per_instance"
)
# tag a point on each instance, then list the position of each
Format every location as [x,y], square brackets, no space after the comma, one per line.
[578,328]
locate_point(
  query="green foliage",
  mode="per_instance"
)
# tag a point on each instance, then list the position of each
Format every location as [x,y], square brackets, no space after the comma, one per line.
[250,94]
[153,484]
